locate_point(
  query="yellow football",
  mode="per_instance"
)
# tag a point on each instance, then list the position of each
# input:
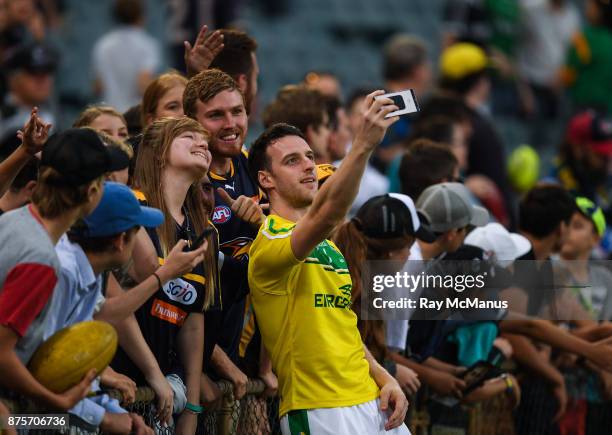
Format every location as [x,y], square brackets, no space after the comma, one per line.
[61,362]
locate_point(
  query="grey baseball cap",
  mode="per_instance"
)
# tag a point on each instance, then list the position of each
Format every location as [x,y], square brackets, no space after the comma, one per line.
[447,206]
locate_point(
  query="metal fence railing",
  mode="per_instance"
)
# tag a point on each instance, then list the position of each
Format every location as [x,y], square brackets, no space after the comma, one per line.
[252,415]
[255,415]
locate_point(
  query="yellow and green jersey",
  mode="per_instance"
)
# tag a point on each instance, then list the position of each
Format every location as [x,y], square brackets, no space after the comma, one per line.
[303,309]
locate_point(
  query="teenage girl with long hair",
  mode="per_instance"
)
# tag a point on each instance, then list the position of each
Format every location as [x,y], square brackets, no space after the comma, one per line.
[172,161]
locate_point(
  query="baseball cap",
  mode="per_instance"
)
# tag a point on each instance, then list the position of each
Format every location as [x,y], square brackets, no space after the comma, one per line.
[593,212]
[80,156]
[32,57]
[448,206]
[462,59]
[496,239]
[390,216]
[591,129]
[118,211]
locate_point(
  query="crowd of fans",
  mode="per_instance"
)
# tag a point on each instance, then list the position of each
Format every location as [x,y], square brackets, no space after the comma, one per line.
[99,220]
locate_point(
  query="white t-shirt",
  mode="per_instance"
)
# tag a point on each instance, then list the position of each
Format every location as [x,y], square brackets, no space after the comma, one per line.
[373,183]
[546,36]
[396,331]
[118,58]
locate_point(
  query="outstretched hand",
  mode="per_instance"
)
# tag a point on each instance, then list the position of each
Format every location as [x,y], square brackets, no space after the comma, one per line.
[374,125]
[205,48]
[34,134]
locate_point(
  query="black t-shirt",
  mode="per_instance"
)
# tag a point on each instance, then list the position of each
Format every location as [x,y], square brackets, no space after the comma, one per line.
[235,237]
[537,279]
[161,317]
[486,156]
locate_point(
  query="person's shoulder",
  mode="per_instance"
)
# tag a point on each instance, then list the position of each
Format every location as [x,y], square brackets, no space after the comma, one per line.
[106,41]
[276,227]
[69,264]
[601,272]
[25,241]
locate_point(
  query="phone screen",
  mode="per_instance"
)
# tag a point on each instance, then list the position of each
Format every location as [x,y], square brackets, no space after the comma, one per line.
[398,100]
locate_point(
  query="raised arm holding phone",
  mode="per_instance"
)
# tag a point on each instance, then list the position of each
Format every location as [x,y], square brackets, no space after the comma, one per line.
[301,288]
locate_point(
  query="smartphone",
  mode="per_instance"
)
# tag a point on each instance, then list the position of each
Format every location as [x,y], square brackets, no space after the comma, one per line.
[195,244]
[476,375]
[405,100]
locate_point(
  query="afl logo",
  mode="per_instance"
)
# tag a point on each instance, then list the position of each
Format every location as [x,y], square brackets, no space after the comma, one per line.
[221,214]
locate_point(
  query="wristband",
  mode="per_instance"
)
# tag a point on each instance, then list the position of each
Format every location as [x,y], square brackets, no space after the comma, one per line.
[159,282]
[196,409]
[509,383]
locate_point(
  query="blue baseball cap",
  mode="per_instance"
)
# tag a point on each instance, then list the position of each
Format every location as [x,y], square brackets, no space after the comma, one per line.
[118,211]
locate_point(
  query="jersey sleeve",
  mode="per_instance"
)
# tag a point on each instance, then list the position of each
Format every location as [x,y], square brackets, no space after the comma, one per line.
[26,291]
[272,258]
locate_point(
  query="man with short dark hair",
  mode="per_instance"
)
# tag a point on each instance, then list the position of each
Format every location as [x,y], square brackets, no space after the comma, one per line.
[29,71]
[544,214]
[328,381]
[426,163]
[406,65]
[238,59]
[305,109]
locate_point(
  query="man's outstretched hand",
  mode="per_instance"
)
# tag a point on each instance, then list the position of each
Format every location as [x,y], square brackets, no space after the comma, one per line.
[206,47]
[373,124]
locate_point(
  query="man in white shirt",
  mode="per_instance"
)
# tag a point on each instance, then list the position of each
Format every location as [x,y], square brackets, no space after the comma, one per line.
[126,59]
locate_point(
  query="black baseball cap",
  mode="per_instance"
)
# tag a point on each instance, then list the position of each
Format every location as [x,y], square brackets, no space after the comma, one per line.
[32,57]
[80,156]
[390,216]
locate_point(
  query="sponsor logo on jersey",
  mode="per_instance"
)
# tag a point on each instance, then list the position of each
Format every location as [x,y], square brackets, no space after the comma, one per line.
[221,214]
[181,291]
[168,312]
[238,247]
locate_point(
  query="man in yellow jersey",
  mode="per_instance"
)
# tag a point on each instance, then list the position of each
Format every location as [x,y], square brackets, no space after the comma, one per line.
[301,288]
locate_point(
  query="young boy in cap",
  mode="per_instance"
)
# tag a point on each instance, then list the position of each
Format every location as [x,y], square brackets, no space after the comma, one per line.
[586,228]
[448,211]
[70,186]
[104,241]
[581,166]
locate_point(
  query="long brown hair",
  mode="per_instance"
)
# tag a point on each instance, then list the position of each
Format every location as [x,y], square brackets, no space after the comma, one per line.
[152,158]
[156,91]
[90,114]
[357,249]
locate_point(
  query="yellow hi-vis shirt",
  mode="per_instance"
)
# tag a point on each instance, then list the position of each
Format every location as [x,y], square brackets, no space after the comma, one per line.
[303,309]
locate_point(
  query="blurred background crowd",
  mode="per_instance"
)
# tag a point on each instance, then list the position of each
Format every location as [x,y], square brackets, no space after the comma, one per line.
[511,93]
[533,65]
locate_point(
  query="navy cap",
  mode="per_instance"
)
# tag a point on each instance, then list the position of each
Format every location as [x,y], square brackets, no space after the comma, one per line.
[389,216]
[119,211]
[32,57]
[80,156]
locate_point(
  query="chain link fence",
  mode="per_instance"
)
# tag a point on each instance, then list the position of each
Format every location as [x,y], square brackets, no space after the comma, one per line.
[256,415]
[251,415]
